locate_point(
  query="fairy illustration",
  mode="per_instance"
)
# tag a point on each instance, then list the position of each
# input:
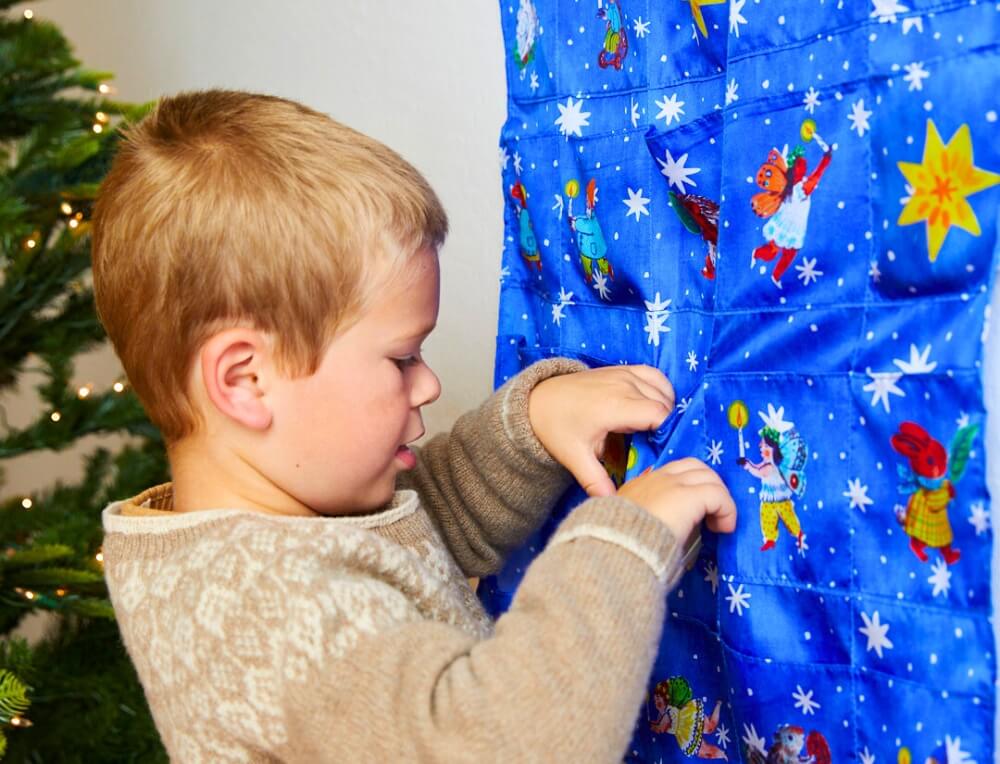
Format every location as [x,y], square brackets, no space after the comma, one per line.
[682,715]
[528,243]
[786,200]
[781,471]
[929,482]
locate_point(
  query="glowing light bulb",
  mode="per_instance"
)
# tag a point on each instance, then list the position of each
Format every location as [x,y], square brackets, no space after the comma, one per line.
[98,128]
[99,556]
[118,387]
[84,391]
[29,595]
[27,503]
[55,416]
[31,243]
[29,14]
[67,208]
[74,223]
[104,88]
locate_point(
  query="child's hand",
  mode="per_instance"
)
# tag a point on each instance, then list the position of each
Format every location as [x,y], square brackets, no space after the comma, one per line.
[679,494]
[572,415]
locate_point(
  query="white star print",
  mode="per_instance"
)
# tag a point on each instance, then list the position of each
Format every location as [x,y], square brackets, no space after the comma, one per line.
[533,82]
[692,361]
[753,740]
[807,271]
[504,157]
[676,173]
[633,114]
[641,27]
[858,494]
[735,17]
[571,118]
[915,75]
[738,599]
[979,518]
[601,285]
[859,117]
[940,578]
[914,22]
[655,317]
[712,576]
[883,385]
[804,700]
[731,87]
[954,753]
[874,272]
[811,100]
[867,757]
[722,734]
[670,109]
[919,362]
[636,203]
[517,163]
[886,10]
[876,633]
[715,452]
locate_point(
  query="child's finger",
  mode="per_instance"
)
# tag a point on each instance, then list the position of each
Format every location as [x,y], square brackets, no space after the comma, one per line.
[653,376]
[637,415]
[591,475]
[652,392]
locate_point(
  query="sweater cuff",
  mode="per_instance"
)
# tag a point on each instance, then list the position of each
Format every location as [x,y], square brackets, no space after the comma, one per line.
[616,520]
[510,404]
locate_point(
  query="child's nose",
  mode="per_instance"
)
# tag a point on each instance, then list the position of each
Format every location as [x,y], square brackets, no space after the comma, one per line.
[429,389]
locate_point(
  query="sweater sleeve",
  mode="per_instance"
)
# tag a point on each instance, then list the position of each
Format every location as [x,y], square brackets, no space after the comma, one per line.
[561,679]
[489,482]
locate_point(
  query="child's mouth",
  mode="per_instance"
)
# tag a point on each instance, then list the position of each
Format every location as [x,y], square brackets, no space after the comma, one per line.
[407,457]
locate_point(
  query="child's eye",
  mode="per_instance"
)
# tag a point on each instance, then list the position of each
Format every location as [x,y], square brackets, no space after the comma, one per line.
[410,360]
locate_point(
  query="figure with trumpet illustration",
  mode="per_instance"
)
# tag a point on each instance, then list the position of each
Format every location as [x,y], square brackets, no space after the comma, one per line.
[785,200]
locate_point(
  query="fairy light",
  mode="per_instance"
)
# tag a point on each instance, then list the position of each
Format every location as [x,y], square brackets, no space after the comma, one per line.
[74,223]
[102,117]
[60,592]
[31,243]
[98,128]
[118,387]
[29,14]
[66,208]
[99,557]
[27,503]
[29,595]
[55,416]
[104,88]
[84,391]
[20,721]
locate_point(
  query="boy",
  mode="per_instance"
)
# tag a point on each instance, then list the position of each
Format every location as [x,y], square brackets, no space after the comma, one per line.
[299,593]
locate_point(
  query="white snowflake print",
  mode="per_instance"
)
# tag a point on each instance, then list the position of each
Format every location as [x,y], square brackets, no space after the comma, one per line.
[913,22]
[811,101]
[558,206]
[867,757]
[858,494]
[883,385]
[754,741]
[715,452]
[859,117]
[682,404]
[731,87]
[676,171]
[954,752]
[633,112]
[692,361]
[656,316]
[979,518]
[637,204]
[873,271]
[533,82]
[517,163]
[640,27]
[503,156]
[885,10]
[804,700]
[738,600]
[670,109]
[808,271]
[963,419]
[915,75]
[735,16]
[601,285]
[504,273]
[712,575]
[919,362]
[571,118]
[940,578]
[722,735]
[876,632]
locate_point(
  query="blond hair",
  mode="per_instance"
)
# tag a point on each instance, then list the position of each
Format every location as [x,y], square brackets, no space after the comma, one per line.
[228,208]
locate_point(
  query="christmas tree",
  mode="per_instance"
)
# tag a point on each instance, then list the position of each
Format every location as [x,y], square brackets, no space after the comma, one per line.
[73,695]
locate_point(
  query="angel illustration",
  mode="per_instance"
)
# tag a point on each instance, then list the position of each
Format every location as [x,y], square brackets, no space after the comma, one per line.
[781,471]
[682,715]
[786,199]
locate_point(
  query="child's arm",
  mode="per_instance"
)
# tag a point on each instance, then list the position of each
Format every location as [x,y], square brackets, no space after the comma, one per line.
[489,482]
[561,679]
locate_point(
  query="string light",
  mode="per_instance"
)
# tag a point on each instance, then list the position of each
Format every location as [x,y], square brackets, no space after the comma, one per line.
[104,88]
[74,223]
[67,208]
[20,721]
[84,391]
[60,592]
[98,128]
[55,416]
[99,556]
[31,243]
[29,595]
[27,503]
[118,387]
[29,14]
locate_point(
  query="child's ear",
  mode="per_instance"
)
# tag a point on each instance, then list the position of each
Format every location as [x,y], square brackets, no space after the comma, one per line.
[234,368]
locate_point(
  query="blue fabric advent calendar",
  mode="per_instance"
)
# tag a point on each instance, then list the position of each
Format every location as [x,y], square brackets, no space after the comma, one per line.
[789,207]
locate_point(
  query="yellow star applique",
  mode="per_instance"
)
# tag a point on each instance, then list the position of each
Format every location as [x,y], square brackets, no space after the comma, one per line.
[696,12]
[941,183]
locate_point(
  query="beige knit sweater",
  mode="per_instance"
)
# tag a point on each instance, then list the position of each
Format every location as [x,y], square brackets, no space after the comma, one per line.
[260,638]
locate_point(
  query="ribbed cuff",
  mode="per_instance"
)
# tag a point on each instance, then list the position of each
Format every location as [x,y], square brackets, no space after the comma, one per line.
[510,404]
[617,520]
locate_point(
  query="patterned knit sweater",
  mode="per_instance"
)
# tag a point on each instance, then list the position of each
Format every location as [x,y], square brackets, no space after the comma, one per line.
[260,638]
